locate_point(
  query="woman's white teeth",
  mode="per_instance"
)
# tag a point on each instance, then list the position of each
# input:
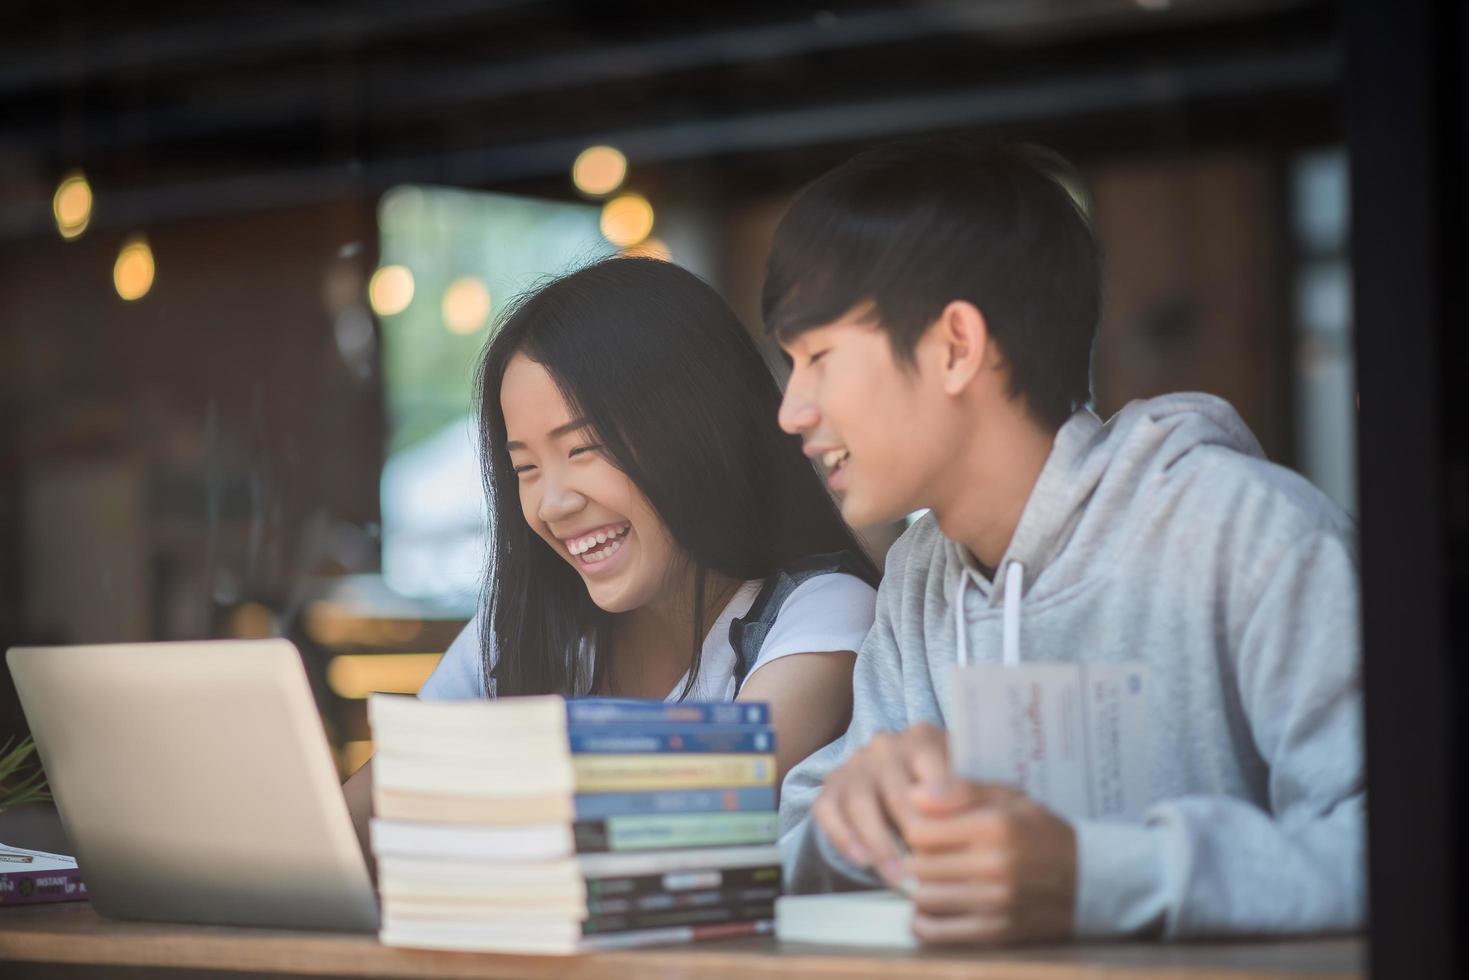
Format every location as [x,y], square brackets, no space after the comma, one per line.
[604,554]
[833,458]
[583,545]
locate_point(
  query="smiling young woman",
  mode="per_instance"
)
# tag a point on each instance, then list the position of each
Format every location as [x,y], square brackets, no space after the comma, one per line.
[641,495]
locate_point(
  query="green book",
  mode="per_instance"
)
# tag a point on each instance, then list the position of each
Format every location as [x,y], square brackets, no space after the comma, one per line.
[647,832]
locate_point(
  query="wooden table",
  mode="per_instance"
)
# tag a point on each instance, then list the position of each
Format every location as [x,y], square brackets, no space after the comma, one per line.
[71,940]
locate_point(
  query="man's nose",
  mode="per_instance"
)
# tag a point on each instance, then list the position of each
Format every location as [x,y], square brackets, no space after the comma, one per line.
[798,412]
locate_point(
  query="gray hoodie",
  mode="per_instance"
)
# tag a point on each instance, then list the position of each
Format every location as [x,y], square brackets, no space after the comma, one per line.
[1162,536]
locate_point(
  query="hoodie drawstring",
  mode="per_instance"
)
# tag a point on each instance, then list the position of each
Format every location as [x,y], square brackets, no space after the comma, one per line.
[961,631]
[1014,585]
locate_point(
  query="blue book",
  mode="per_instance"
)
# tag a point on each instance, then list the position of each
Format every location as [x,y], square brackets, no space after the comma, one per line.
[622,711]
[629,739]
[600,806]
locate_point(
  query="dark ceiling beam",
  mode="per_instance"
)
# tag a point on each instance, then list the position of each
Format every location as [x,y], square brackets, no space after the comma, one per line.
[1159,85]
[268,105]
[401,93]
[238,39]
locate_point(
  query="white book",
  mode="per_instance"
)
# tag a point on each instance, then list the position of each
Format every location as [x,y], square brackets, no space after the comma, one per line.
[608,865]
[15,859]
[500,811]
[455,909]
[553,937]
[506,717]
[529,777]
[569,891]
[535,842]
[505,748]
[872,918]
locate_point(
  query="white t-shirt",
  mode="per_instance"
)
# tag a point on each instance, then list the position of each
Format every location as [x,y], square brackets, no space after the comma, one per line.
[824,613]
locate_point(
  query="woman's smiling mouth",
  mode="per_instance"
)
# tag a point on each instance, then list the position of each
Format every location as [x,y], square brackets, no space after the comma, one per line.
[599,545]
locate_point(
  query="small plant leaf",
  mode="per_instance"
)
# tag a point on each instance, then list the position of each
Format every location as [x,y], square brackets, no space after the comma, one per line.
[16,788]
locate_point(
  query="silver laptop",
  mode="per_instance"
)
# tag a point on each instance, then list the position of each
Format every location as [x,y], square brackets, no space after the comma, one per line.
[195,782]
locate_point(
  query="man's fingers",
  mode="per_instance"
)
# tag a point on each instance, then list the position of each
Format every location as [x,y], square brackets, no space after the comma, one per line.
[830,815]
[951,795]
[925,752]
[948,929]
[984,828]
[901,782]
[963,897]
[896,788]
[869,822]
[973,864]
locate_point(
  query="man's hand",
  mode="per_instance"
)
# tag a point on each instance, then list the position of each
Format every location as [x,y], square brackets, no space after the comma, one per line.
[870,798]
[991,864]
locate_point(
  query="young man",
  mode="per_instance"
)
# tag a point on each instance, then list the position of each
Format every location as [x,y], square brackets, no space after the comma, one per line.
[939,301]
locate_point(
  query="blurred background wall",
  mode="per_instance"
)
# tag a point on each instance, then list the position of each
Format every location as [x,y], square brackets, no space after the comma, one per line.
[248,252]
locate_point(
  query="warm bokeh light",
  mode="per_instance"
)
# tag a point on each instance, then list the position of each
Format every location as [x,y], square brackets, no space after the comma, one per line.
[650,248]
[599,170]
[334,625]
[72,205]
[252,621]
[466,305]
[390,290]
[627,219]
[356,675]
[133,272]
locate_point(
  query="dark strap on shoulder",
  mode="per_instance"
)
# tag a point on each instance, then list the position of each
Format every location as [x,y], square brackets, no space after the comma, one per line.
[747,633]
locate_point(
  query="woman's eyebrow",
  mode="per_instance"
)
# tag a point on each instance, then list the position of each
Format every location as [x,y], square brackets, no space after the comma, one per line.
[555,433]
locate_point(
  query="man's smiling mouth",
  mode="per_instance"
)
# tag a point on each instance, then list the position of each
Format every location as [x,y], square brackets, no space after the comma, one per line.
[835,459]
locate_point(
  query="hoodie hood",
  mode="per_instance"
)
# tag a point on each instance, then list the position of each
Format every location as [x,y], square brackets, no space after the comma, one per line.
[1096,475]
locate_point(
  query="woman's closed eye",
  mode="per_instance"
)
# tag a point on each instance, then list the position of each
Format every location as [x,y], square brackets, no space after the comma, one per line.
[521,469]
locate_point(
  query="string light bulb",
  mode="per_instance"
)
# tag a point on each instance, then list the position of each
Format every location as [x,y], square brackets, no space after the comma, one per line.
[390,290]
[466,305]
[72,205]
[627,219]
[134,270]
[599,170]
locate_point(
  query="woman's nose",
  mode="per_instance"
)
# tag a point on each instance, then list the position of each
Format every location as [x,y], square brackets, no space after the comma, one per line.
[560,501]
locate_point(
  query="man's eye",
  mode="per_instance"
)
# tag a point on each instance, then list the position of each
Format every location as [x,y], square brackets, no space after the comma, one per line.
[585,449]
[817,356]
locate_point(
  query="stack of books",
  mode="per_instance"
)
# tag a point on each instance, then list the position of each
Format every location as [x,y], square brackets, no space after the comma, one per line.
[541,825]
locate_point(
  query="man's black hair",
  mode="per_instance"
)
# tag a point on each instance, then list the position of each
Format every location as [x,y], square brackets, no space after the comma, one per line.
[911,226]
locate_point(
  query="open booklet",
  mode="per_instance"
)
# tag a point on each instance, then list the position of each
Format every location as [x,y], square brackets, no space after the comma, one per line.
[1072,736]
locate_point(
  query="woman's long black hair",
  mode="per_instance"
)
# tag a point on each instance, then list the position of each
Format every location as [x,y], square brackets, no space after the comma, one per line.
[682,402]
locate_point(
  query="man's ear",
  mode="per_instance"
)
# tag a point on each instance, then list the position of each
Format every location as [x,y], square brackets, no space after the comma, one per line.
[965,341]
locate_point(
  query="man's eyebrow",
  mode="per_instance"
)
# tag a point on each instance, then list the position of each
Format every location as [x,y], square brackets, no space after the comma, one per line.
[555,433]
